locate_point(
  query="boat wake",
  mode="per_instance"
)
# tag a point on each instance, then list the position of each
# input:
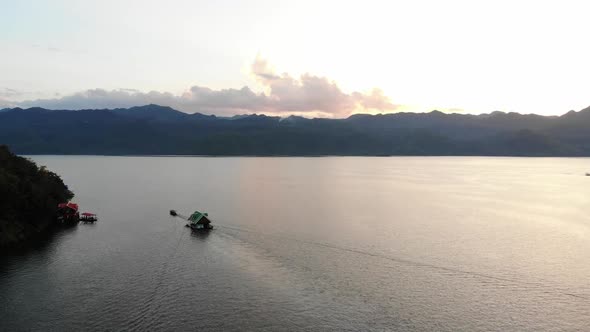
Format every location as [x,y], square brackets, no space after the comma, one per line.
[541,286]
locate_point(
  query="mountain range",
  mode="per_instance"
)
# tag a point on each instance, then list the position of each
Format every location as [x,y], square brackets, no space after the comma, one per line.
[160,130]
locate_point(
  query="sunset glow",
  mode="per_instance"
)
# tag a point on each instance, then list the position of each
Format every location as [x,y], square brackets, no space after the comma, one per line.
[373,57]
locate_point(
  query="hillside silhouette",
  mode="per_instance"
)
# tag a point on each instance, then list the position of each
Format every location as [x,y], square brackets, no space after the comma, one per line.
[159,130]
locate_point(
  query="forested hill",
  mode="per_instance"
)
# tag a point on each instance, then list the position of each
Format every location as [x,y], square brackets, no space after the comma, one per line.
[154,129]
[29,196]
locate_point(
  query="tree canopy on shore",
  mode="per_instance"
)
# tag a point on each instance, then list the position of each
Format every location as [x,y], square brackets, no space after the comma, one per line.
[29,195]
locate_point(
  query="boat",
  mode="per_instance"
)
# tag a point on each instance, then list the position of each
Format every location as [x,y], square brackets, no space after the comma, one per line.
[88,217]
[199,221]
[67,213]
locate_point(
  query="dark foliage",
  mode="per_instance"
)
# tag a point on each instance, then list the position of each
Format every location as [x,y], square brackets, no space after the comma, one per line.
[28,198]
[154,129]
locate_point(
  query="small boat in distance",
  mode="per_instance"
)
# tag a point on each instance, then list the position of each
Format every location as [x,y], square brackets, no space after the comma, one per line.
[88,217]
[587,174]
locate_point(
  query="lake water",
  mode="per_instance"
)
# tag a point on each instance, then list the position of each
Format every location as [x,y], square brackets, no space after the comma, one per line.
[334,243]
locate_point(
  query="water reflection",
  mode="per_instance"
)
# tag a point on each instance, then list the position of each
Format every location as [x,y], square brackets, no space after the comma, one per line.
[42,241]
[201,235]
[40,248]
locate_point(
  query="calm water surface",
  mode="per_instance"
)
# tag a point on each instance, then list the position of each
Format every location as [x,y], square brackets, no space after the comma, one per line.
[357,244]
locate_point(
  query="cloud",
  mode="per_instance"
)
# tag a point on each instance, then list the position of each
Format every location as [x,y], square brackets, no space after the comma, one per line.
[312,93]
[6,104]
[7,93]
[225,100]
[196,99]
[10,93]
[283,95]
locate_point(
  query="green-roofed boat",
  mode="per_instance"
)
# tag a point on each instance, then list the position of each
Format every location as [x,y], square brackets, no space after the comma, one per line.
[197,221]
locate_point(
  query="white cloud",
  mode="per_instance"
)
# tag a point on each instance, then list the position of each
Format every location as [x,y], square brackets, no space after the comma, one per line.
[10,93]
[312,93]
[6,104]
[283,94]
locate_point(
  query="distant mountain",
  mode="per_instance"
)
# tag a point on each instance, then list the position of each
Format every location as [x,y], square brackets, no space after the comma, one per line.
[152,112]
[154,129]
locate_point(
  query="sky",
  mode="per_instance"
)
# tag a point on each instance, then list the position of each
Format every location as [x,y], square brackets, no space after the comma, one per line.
[311,58]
